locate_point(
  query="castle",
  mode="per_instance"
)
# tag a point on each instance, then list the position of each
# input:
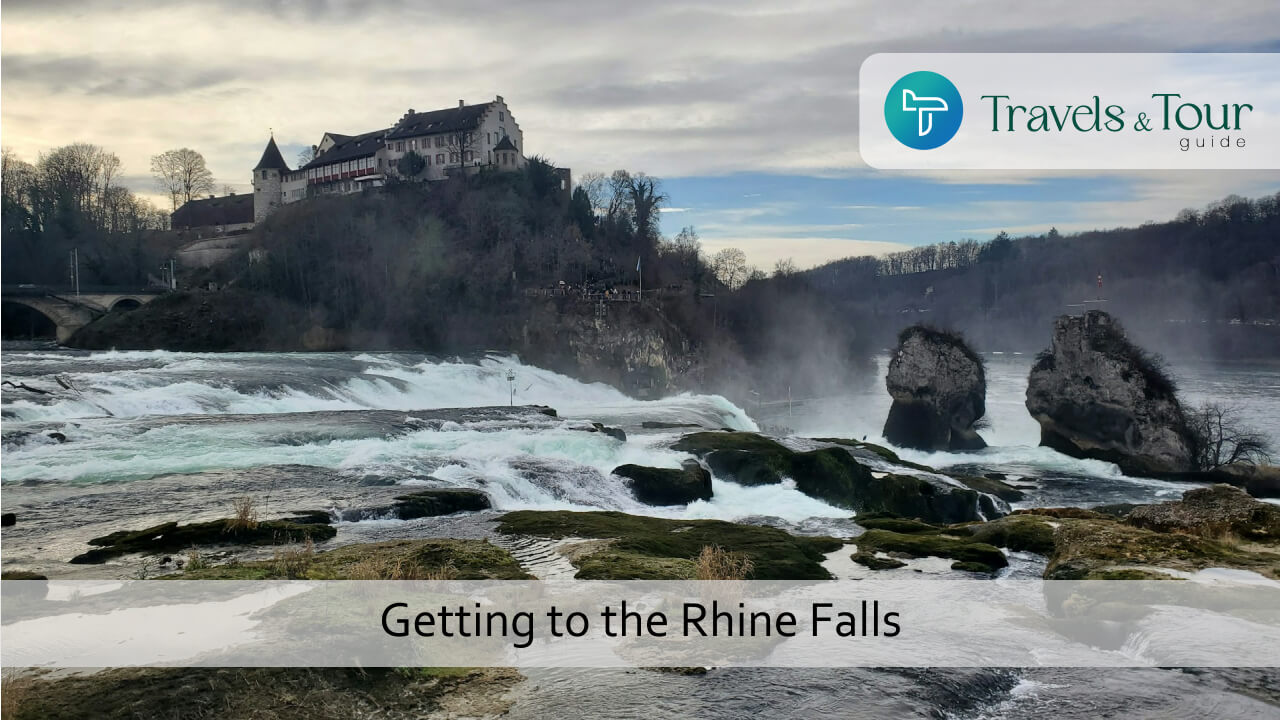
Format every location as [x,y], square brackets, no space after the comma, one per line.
[438,143]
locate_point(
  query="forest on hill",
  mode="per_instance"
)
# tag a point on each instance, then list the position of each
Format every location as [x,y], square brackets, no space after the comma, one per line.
[1206,283]
[476,262]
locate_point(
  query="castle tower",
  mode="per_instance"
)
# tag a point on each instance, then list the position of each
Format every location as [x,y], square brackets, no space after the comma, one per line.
[267,177]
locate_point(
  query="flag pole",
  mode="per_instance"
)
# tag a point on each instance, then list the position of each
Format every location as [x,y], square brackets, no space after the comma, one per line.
[640,270]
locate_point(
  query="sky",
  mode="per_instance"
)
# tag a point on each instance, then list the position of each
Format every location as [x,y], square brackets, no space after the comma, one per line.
[747,111]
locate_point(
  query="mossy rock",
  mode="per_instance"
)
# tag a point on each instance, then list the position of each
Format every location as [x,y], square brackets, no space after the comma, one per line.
[835,476]
[893,523]
[391,560]
[874,562]
[21,575]
[746,458]
[659,548]
[441,501]
[1029,533]
[1092,548]
[973,567]
[172,537]
[252,693]
[1216,511]
[667,486]
[962,549]
[883,452]
[1063,512]
[992,486]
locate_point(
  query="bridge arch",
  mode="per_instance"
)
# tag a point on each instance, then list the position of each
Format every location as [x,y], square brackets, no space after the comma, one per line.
[24,321]
[125,303]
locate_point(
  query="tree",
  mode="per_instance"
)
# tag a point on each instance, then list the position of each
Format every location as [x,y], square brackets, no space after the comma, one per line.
[182,174]
[1220,439]
[785,268]
[595,187]
[307,154]
[411,165]
[462,147]
[581,213]
[730,267]
[645,197]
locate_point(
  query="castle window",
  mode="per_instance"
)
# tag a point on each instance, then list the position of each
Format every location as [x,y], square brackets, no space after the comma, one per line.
[440,158]
[501,116]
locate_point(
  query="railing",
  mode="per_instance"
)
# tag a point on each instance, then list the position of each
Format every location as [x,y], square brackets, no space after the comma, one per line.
[584,296]
[25,290]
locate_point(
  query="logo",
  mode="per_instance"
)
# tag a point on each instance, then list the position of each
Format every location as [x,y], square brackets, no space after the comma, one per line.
[923,110]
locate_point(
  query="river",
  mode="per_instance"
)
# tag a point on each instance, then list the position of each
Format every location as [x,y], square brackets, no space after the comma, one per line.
[124,438]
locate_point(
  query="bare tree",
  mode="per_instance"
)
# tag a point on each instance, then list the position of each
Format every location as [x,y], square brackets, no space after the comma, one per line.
[462,147]
[785,268]
[645,199]
[307,154]
[618,203]
[182,174]
[596,188]
[1221,440]
[730,267]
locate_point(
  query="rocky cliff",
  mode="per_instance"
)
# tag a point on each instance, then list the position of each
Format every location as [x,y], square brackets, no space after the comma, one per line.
[630,346]
[939,391]
[1097,395]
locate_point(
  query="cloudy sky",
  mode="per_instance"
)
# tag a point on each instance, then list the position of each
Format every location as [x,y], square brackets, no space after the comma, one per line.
[747,111]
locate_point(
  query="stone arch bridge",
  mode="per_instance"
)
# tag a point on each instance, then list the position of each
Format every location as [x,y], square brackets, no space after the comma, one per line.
[69,311]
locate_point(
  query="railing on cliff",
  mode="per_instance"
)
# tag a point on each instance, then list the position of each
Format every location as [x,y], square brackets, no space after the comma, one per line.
[625,296]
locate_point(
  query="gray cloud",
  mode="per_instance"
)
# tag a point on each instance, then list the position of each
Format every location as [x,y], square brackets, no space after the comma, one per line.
[129,79]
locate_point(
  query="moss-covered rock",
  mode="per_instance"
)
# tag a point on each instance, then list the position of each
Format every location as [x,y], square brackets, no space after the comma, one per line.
[872,561]
[745,458]
[992,486]
[1097,548]
[1212,512]
[1029,533]
[171,537]
[659,548]
[893,523]
[261,693]
[834,475]
[973,567]
[667,486]
[441,501]
[883,452]
[450,559]
[962,549]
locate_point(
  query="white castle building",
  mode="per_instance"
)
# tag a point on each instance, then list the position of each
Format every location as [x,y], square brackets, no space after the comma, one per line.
[465,138]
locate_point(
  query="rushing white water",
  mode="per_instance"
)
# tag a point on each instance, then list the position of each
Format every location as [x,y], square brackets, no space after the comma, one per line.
[133,416]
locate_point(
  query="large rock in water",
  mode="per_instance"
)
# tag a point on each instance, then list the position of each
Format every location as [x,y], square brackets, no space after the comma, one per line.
[1097,395]
[667,486]
[939,391]
[834,476]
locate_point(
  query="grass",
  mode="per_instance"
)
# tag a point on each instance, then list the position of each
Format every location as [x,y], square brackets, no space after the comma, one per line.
[15,690]
[293,563]
[245,515]
[716,563]
[195,561]
[434,559]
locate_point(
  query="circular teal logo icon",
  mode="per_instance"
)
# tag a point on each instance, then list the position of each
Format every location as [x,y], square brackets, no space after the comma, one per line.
[923,110]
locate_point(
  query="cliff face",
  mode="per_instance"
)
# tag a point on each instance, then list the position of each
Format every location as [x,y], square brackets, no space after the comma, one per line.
[1096,395]
[939,391]
[630,346]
